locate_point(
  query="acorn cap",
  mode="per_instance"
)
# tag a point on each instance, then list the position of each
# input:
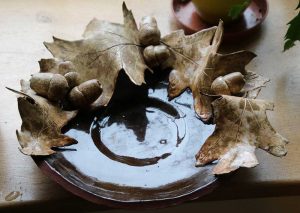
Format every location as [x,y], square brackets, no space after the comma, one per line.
[162,53]
[149,35]
[156,55]
[219,86]
[72,79]
[149,56]
[39,82]
[58,88]
[65,67]
[86,93]
[235,81]
[148,20]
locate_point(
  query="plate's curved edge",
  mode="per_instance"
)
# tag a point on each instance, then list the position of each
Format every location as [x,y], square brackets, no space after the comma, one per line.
[227,35]
[162,203]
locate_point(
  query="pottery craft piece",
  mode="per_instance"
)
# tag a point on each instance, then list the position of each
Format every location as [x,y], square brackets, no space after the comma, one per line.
[124,100]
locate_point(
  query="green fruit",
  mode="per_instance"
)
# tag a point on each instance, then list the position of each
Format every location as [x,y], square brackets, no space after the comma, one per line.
[212,11]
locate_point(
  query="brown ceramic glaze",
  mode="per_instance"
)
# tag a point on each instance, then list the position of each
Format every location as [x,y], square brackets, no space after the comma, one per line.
[139,153]
[188,18]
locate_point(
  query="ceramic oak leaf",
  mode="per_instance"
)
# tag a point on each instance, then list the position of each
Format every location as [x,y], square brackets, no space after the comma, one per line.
[41,123]
[197,64]
[107,48]
[241,126]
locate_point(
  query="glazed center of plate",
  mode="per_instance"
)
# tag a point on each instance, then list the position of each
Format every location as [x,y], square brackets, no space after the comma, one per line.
[148,143]
[140,134]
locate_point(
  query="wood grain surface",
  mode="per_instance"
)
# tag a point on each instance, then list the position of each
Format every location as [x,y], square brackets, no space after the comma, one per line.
[24,25]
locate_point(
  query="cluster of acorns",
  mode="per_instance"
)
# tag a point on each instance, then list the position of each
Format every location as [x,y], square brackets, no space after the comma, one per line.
[155,54]
[65,86]
[57,87]
[149,35]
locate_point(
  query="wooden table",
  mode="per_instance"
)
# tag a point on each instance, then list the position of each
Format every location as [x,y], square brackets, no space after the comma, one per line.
[24,25]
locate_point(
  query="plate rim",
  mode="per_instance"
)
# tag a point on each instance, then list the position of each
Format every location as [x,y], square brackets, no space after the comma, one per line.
[50,172]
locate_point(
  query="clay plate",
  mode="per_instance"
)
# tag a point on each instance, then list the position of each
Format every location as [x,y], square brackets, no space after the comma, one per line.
[139,154]
[188,18]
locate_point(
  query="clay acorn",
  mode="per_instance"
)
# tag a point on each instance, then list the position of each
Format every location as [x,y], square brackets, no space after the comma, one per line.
[156,55]
[149,34]
[72,79]
[51,86]
[85,93]
[229,84]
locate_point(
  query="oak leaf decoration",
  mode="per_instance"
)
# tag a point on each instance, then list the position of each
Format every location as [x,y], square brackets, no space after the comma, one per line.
[241,126]
[107,48]
[197,64]
[42,121]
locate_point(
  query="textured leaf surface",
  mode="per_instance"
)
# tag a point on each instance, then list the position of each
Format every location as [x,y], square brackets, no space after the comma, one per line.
[197,64]
[41,123]
[106,49]
[241,126]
